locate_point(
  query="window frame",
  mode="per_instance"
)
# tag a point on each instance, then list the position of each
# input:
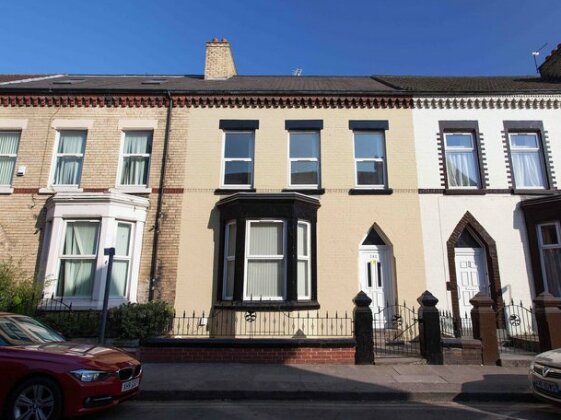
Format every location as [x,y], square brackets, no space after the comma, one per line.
[13,156]
[304,159]
[56,156]
[307,258]
[473,151]
[251,159]
[543,247]
[248,257]
[538,150]
[127,258]
[123,155]
[61,256]
[384,185]
[227,258]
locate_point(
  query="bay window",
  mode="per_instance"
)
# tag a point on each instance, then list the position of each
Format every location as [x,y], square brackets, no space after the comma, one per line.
[79,226]
[268,250]
[549,236]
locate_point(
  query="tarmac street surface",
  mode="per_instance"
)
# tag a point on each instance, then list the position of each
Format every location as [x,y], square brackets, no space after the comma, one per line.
[354,410]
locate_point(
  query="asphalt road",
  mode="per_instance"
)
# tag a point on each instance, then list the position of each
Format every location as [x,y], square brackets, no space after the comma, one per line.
[295,410]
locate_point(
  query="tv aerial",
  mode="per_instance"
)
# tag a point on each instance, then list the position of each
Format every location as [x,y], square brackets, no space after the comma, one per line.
[535,54]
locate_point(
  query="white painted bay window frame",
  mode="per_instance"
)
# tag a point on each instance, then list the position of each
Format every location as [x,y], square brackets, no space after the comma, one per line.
[544,247]
[228,259]
[110,209]
[276,257]
[305,257]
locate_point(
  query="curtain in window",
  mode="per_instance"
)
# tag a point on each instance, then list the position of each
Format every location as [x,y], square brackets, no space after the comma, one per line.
[462,169]
[265,279]
[8,146]
[552,268]
[69,168]
[135,161]
[77,274]
[120,271]
[303,279]
[265,276]
[527,170]
[230,260]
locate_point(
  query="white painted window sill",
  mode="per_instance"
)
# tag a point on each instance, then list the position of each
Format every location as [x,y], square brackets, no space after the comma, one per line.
[55,189]
[6,190]
[132,189]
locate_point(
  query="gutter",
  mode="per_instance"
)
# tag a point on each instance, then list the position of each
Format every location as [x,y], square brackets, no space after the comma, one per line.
[157,224]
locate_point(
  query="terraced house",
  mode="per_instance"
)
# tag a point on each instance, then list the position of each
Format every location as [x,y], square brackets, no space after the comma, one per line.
[281,193]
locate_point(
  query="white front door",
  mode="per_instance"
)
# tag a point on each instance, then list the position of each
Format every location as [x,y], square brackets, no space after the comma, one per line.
[471,276]
[375,280]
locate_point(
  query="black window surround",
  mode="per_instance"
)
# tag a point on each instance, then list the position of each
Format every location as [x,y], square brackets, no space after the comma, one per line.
[290,207]
[468,127]
[529,127]
[303,125]
[238,124]
[373,125]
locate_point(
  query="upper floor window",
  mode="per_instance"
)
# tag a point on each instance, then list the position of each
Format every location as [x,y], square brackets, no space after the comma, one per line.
[527,160]
[461,160]
[304,159]
[135,158]
[549,237]
[370,159]
[237,166]
[9,142]
[69,158]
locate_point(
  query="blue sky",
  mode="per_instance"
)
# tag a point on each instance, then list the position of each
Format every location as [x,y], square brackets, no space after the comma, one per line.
[272,37]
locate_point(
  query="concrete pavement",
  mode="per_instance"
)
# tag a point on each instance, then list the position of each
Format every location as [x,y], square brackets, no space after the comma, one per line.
[395,382]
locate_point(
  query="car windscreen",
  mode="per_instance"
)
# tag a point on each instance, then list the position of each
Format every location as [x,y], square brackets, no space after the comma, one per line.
[18,330]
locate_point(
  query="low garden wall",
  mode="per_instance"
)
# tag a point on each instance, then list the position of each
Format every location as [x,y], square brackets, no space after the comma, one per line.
[279,351]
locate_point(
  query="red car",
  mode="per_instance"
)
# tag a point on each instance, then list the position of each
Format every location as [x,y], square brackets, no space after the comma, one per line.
[44,377]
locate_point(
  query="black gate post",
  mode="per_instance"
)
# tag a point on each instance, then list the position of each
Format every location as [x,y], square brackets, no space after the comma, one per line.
[363,332]
[110,252]
[429,329]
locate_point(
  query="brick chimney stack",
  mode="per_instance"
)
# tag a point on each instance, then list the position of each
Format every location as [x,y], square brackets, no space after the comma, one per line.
[551,67]
[219,63]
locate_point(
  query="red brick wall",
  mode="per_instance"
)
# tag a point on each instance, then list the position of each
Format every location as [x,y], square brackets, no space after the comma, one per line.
[302,355]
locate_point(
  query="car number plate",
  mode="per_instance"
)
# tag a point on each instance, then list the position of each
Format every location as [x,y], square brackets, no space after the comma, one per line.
[132,384]
[546,386]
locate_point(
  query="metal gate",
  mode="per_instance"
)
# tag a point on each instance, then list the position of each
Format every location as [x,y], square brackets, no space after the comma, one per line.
[519,334]
[396,331]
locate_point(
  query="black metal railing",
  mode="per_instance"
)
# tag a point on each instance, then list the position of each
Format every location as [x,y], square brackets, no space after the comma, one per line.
[519,334]
[396,331]
[454,326]
[249,324]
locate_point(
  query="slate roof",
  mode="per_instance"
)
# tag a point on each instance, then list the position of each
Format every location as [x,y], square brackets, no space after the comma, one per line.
[5,78]
[477,85]
[279,85]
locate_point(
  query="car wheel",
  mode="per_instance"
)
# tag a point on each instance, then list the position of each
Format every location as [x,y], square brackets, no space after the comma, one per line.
[36,398]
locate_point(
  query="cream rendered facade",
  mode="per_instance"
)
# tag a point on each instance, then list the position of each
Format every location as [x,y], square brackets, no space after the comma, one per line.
[343,220]
[498,211]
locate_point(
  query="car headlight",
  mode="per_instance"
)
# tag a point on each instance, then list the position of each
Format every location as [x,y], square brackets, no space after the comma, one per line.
[86,375]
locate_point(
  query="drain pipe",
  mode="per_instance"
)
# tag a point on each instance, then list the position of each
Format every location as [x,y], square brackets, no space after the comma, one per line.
[157,224]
